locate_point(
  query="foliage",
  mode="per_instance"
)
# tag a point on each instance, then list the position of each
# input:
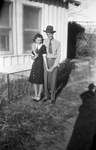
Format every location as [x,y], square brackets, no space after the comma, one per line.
[16,133]
[86,45]
[18,87]
[81,43]
[24,129]
[77,12]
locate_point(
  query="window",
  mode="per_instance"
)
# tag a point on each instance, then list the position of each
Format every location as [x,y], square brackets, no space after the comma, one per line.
[31,25]
[6,28]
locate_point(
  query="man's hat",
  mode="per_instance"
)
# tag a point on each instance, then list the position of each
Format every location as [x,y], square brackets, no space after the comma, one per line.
[49,29]
[91,86]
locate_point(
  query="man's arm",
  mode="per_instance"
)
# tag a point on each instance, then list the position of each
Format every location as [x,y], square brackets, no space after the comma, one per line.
[57,60]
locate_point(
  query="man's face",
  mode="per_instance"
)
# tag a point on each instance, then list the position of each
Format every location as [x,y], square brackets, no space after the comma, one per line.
[94,90]
[49,35]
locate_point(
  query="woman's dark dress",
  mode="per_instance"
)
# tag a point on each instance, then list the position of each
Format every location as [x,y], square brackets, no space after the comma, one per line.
[37,71]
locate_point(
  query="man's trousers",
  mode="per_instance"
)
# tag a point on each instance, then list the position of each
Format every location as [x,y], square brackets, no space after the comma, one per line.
[50,79]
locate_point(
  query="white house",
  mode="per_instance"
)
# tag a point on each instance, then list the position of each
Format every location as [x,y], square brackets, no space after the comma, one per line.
[20,20]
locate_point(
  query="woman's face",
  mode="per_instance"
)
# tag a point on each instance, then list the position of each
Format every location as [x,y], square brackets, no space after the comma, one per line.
[38,40]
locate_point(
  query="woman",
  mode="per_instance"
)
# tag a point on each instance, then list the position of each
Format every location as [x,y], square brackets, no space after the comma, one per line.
[37,71]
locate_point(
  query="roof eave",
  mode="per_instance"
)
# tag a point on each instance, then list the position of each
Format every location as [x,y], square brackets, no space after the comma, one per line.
[74,2]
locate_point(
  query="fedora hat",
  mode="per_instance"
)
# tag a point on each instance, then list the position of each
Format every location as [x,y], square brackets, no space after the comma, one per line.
[49,29]
[91,86]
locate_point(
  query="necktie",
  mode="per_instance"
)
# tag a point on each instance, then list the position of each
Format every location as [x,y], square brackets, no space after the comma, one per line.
[50,47]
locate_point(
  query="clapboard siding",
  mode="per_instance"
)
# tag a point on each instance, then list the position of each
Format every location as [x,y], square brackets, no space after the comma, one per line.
[54,15]
[15,60]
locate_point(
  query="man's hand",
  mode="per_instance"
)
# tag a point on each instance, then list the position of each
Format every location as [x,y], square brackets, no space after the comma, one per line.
[52,68]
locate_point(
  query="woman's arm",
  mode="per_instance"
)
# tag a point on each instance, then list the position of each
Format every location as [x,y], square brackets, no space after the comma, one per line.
[34,54]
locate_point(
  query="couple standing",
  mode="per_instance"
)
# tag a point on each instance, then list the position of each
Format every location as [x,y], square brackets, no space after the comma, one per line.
[46,55]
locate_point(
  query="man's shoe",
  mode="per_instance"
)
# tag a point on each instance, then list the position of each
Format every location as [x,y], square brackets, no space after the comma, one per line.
[53,101]
[45,99]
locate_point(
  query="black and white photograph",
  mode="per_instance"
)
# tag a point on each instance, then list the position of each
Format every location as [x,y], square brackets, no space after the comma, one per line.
[47,74]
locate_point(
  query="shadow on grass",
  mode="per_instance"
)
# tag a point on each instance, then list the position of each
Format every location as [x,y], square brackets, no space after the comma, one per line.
[64,71]
[84,132]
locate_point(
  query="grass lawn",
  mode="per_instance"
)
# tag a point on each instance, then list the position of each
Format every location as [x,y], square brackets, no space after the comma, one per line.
[29,125]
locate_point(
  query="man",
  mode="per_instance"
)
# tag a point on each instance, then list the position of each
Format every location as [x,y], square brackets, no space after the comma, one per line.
[53,48]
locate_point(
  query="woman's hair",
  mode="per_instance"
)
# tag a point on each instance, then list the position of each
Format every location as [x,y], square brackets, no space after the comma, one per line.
[38,35]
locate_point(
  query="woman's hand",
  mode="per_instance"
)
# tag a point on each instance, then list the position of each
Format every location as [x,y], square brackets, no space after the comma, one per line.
[32,57]
[36,55]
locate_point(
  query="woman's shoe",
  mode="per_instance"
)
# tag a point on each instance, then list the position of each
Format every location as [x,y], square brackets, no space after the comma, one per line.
[34,98]
[38,98]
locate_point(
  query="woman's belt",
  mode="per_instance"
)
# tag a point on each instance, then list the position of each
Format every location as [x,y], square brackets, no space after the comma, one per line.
[51,58]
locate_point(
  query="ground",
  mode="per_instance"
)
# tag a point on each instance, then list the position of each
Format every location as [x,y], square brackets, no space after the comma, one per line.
[29,125]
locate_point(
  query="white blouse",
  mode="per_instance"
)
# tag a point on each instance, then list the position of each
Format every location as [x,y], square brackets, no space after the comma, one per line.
[38,46]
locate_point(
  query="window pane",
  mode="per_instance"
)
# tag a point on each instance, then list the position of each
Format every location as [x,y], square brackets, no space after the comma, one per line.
[28,39]
[5,28]
[4,15]
[31,17]
[4,40]
[31,25]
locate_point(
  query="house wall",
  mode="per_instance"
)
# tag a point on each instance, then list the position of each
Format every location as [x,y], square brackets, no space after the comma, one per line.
[51,15]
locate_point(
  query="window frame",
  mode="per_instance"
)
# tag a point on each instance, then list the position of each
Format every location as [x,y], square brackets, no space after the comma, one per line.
[31,30]
[9,29]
